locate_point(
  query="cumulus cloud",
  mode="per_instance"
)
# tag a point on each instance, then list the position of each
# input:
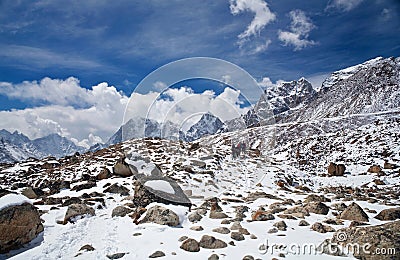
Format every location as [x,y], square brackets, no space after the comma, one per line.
[300,27]
[266,83]
[342,5]
[262,17]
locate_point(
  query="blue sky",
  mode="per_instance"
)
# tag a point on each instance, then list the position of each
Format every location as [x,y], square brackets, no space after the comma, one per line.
[120,42]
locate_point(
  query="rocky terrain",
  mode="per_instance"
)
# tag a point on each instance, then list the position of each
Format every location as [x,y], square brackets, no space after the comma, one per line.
[308,189]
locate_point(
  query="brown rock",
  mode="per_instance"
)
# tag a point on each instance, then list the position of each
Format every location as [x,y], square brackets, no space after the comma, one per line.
[317,208]
[190,245]
[211,242]
[261,215]
[122,169]
[104,174]
[18,226]
[375,169]
[389,214]
[76,210]
[162,216]
[354,212]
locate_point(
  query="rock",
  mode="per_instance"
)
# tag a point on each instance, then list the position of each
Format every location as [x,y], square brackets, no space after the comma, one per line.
[122,169]
[389,214]
[388,165]
[381,237]
[252,236]
[316,198]
[280,225]
[244,231]
[259,195]
[379,182]
[319,227]
[19,225]
[157,254]
[213,257]
[137,234]
[375,169]
[303,223]
[70,201]
[84,186]
[236,225]
[217,215]
[190,245]
[261,215]
[336,169]
[272,230]
[248,257]
[195,217]
[116,256]
[339,206]
[77,210]
[211,242]
[115,188]
[197,228]
[222,230]
[32,193]
[198,163]
[121,211]
[162,216]
[87,248]
[317,208]
[354,212]
[237,236]
[104,174]
[182,238]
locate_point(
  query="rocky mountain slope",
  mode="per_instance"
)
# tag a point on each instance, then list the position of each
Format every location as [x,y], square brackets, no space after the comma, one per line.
[17,147]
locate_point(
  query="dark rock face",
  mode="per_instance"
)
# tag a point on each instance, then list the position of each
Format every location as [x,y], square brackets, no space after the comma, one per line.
[389,214]
[386,236]
[18,226]
[162,216]
[336,169]
[354,212]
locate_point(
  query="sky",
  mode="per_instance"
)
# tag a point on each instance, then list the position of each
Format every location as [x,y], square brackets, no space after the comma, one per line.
[70,66]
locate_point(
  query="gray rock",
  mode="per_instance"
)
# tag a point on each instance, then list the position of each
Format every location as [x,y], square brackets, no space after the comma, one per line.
[217,215]
[319,227]
[280,225]
[237,236]
[122,169]
[162,216]
[354,212]
[317,208]
[389,214]
[197,228]
[303,223]
[157,254]
[18,226]
[261,215]
[116,256]
[121,211]
[213,257]
[195,217]
[77,210]
[190,245]
[87,248]
[119,189]
[222,230]
[211,242]
[182,238]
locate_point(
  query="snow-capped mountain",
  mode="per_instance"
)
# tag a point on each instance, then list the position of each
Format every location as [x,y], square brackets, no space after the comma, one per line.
[16,146]
[207,125]
[371,87]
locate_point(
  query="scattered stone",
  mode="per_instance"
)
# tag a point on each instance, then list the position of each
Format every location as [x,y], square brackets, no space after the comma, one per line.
[317,208]
[121,211]
[87,248]
[357,224]
[354,212]
[232,243]
[137,234]
[331,221]
[375,169]
[197,228]
[217,215]
[122,169]
[182,238]
[261,215]
[211,242]
[19,225]
[273,230]
[119,189]
[252,236]
[77,210]
[190,245]
[303,223]
[244,231]
[195,217]
[319,227]
[104,174]
[248,257]
[222,230]
[116,256]
[280,225]
[84,186]
[316,198]
[157,254]
[286,216]
[70,201]
[339,206]
[388,165]
[336,169]
[213,257]
[237,236]
[389,214]
[236,225]
[260,195]
[162,216]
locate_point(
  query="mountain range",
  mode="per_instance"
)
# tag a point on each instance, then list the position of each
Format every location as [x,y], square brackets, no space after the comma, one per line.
[370,87]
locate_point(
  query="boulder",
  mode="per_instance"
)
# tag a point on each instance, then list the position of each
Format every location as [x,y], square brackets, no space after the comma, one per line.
[261,215]
[84,186]
[121,211]
[157,254]
[354,212]
[375,169]
[237,236]
[122,169]
[77,210]
[119,189]
[211,242]
[336,169]
[19,225]
[195,217]
[317,208]
[381,237]
[160,215]
[190,245]
[32,193]
[280,225]
[389,214]
[319,227]
[104,174]
[222,230]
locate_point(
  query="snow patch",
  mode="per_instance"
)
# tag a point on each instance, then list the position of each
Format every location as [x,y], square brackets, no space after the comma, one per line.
[160,185]
[13,200]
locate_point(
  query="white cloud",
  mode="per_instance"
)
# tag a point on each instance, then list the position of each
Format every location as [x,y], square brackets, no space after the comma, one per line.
[300,28]
[160,86]
[342,5]
[266,83]
[262,17]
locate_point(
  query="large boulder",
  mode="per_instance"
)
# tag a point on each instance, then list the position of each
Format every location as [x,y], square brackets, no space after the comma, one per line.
[190,245]
[389,214]
[160,215]
[77,210]
[336,169]
[354,212]
[317,208]
[122,169]
[371,239]
[19,224]
[375,169]
[211,242]
[104,174]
